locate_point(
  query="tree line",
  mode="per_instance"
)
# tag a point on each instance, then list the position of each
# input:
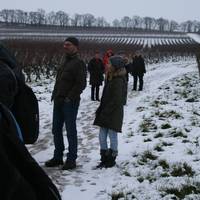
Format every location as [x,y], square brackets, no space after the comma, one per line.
[63,19]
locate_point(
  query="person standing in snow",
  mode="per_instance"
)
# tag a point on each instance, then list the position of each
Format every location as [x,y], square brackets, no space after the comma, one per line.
[21,176]
[198,61]
[106,57]
[70,83]
[96,70]
[138,70]
[109,115]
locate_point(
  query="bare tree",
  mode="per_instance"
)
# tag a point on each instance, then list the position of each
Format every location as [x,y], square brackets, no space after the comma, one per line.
[101,22]
[187,26]
[88,20]
[173,25]
[41,16]
[62,18]
[148,21]
[5,15]
[162,24]
[51,18]
[136,22]
[116,23]
[196,25]
[76,20]
[126,22]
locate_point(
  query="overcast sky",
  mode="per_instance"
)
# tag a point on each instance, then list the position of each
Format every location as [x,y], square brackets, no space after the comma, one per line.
[178,10]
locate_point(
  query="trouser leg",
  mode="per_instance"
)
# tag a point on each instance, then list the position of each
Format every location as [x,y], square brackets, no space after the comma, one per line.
[140,82]
[70,113]
[58,121]
[92,92]
[135,82]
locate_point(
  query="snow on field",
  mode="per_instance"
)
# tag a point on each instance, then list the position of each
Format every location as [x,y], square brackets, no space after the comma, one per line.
[194,36]
[159,149]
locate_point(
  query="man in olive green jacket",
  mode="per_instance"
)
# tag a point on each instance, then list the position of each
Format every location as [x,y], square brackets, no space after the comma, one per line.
[70,82]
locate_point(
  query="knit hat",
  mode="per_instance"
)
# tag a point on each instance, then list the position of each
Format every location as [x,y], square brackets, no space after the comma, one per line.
[117,62]
[73,40]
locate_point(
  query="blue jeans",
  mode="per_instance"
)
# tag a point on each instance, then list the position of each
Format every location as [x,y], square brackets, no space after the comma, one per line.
[65,113]
[103,134]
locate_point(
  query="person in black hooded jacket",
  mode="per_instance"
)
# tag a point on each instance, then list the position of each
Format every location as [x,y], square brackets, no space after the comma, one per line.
[137,71]
[21,177]
[96,70]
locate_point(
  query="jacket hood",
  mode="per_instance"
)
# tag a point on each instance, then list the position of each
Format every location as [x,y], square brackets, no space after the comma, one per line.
[6,57]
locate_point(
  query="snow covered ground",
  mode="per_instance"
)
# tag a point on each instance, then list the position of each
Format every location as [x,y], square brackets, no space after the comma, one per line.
[159,149]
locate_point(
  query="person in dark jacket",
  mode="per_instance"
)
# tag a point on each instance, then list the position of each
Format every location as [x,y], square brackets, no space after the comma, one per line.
[96,70]
[21,177]
[109,115]
[18,96]
[70,82]
[137,71]
[8,88]
[197,54]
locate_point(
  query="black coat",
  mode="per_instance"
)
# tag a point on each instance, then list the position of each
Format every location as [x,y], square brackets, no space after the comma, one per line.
[138,66]
[96,70]
[19,97]
[110,112]
[21,177]
[8,86]
[70,79]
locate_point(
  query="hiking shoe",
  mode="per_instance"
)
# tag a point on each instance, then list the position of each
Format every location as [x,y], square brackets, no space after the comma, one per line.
[53,162]
[69,165]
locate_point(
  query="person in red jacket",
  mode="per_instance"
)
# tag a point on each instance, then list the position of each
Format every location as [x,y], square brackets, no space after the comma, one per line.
[106,57]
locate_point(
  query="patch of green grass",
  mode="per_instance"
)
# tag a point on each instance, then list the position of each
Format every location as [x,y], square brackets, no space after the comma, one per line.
[190,152]
[167,114]
[158,148]
[147,155]
[182,192]
[140,109]
[167,143]
[182,170]
[157,103]
[185,141]
[126,173]
[190,100]
[158,135]
[122,195]
[178,133]
[147,125]
[151,178]
[116,196]
[140,179]
[165,126]
[164,164]
[165,174]
[147,140]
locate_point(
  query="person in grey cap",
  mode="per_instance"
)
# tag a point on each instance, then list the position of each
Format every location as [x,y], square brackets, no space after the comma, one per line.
[109,115]
[70,83]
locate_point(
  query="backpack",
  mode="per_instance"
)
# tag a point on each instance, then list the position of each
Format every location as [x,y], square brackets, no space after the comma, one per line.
[25,104]
[21,177]
[26,111]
